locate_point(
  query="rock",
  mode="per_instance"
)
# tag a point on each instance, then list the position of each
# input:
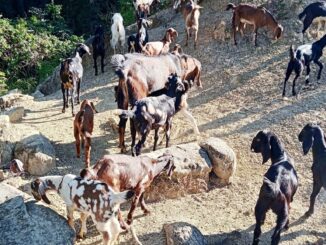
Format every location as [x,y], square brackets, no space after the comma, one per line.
[181,233]
[38,94]
[222,157]
[190,175]
[15,114]
[51,84]
[37,154]
[4,121]
[2,175]
[29,223]
[9,99]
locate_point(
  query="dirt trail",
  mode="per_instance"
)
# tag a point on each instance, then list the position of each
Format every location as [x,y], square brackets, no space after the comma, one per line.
[241,95]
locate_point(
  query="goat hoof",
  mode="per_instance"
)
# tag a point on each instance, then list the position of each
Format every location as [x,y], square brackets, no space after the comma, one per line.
[129,221]
[63,110]
[73,114]
[66,105]
[147,212]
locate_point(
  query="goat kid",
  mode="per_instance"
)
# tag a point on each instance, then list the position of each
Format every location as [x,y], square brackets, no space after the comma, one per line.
[190,12]
[89,197]
[314,12]
[163,46]
[279,185]
[302,57]
[312,136]
[155,112]
[122,172]
[118,33]
[83,129]
[252,15]
[137,41]
[98,48]
[71,73]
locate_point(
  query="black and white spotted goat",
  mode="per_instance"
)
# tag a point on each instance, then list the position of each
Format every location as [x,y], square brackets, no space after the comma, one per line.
[279,185]
[89,197]
[312,136]
[155,112]
[302,57]
[137,40]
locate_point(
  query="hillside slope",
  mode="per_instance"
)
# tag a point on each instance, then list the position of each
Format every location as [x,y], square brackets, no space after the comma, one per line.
[241,95]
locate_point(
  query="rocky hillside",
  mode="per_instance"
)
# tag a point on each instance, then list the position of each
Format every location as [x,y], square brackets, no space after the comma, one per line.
[241,95]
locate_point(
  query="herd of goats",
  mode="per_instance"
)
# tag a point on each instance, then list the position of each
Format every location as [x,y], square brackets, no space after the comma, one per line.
[155,82]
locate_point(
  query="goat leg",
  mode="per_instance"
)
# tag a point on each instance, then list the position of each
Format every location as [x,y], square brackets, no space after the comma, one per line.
[95,65]
[187,37]
[83,229]
[196,37]
[282,220]
[72,95]
[260,214]
[315,190]
[168,132]
[122,129]
[102,63]
[307,75]
[77,141]
[317,62]
[70,216]
[78,90]
[294,92]
[155,139]
[67,98]
[64,98]
[143,205]
[133,206]
[87,152]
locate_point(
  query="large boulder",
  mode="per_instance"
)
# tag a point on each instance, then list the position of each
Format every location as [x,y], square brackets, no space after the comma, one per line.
[181,233]
[29,223]
[223,159]
[51,84]
[15,114]
[37,154]
[191,174]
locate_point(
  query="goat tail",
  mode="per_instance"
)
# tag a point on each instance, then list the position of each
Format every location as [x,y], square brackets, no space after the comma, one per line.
[274,188]
[230,6]
[124,113]
[292,53]
[302,14]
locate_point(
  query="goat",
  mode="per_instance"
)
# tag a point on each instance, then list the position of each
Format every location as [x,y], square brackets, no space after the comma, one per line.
[99,47]
[177,50]
[71,73]
[138,40]
[156,112]
[279,185]
[83,128]
[122,172]
[190,12]
[314,12]
[89,197]
[143,7]
[302,57]
[161,47]
[136,81]
[313,136]
[118,33]
[252,15]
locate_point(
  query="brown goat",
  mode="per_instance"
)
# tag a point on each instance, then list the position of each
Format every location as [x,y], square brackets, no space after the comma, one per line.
[122,172]
[163,46]
[190,12]
[253,15]
[83,128]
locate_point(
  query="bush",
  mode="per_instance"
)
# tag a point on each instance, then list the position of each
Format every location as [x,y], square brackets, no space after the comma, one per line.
[31,48]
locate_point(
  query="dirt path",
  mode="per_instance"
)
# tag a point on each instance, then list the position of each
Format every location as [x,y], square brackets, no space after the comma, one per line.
[241,95]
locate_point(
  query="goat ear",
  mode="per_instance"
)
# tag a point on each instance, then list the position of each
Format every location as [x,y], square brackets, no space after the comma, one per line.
[41,191]
[307,143]
[266,150]
[93,107]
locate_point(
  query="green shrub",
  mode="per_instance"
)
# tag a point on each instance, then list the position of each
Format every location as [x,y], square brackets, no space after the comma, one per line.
[31,48]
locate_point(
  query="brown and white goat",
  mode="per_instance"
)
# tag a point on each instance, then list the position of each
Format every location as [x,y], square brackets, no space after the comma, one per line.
[89,197]
[83,129]
[190,12]
[253,15]
[163,46]
[122,172]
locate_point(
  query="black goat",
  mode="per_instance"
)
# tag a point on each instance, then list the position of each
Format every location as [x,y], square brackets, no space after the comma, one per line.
[313,136]
[311,13]
[301,57]
[99,47]
[138,40]
[279,185]
[155,112]
[71,74]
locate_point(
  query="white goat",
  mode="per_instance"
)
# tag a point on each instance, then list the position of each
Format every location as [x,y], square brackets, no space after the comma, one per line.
[89,197]
[118,32]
